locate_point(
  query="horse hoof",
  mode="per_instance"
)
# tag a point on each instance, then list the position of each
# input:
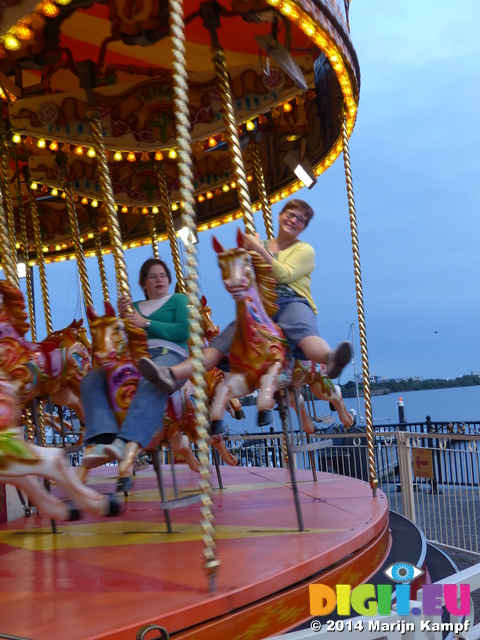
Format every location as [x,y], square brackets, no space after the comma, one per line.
[113,506]
[124,484]
[73,513]
[240,415]
[217,427]
[264,418]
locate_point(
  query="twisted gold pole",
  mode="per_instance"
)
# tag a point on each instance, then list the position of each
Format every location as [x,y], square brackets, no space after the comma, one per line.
[172,237]
[30,426]
[8,264]
[361,315]
[123,287]
[218,57]
[262,188]
[153,236]
[41,262]
[7,224]
[77,245]
[183,127]
[101,266]
[26,257]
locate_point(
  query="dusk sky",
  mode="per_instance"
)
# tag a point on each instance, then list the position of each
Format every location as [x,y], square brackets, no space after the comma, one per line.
[416,171]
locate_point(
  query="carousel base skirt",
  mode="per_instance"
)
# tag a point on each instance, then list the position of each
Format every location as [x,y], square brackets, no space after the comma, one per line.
[107,578]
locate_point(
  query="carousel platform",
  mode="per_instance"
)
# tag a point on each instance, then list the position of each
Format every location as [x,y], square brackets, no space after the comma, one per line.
[106,578]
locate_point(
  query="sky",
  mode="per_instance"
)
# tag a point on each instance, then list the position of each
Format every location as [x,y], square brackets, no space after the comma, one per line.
[416,175]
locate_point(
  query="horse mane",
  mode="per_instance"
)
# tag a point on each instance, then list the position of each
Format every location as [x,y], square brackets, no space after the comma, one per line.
[137,340]
[14,304]
[265,283]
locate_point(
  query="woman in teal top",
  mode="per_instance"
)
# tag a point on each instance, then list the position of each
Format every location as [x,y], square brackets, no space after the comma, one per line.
[165,319]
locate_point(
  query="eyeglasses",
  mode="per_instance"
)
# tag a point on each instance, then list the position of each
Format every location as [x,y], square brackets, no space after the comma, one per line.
[293,216]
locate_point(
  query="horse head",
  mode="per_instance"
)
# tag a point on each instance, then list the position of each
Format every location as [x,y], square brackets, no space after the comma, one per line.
[210,330]
[115,341]
[109,338]
[237,269]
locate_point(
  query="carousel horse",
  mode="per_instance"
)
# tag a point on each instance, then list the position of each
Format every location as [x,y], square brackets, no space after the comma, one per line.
[117,346]
[28,370]
[259,356]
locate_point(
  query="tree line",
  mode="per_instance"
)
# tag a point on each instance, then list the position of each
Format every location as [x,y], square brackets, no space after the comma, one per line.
[393,386]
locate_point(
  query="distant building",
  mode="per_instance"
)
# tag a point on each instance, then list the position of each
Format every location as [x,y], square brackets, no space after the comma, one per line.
[474,372]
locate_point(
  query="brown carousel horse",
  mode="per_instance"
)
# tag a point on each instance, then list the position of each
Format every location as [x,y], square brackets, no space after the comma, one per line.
[259,356]
[117,346]
[28,370]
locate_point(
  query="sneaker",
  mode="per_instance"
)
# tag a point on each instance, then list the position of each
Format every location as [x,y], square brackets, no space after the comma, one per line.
[116,450]
[161,377]
[338,359]
[95,455]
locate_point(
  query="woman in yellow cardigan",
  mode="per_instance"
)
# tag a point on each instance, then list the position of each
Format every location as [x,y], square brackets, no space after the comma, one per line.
[292,263]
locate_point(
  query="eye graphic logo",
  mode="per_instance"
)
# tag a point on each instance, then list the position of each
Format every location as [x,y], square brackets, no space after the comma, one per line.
[403,572]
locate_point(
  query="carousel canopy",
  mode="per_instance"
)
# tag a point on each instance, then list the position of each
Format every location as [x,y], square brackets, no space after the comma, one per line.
[292,69]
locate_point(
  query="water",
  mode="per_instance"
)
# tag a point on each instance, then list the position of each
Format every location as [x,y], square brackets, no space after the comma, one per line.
[442,405]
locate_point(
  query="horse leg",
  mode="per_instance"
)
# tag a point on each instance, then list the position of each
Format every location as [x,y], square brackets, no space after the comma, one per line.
[68,398]
[181,444]
[225,454]
[51,463]
[48,505]
[333,394]
[234,386]
[268,387]
[305,420]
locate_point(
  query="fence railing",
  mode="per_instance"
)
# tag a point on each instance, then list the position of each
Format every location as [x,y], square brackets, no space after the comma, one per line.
[430,473]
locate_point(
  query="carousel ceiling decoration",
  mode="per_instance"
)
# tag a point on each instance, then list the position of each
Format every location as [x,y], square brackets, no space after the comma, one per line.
[291,67]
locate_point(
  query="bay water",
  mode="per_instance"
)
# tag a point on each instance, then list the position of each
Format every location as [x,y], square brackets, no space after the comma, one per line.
[458,404]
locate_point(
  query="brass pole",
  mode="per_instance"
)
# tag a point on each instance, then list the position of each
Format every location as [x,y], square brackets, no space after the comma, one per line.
[33,327]
[361,315]
[41,263]
[262,188]
[184,139]
[7,223]
[233,139]
[101,266]
[153,236]
[123,287]
[172,237]
[82,267]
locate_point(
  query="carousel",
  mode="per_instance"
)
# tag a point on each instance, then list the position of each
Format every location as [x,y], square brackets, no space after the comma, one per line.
[131,123]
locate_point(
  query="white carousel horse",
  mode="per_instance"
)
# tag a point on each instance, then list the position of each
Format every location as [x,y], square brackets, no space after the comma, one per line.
[28,370]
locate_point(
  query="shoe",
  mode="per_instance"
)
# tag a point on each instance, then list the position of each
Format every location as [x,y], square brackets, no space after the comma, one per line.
[161,377]
[338,359]
[116,450]
[95,455]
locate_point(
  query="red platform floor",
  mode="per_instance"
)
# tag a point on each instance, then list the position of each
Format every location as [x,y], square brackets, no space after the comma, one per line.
[105,578]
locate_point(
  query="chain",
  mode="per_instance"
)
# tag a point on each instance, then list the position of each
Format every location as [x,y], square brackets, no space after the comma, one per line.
[153,236]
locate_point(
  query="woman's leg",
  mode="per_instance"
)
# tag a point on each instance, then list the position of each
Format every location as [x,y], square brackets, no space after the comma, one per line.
[165,377]
[145,414]
[100,420]
[299,323]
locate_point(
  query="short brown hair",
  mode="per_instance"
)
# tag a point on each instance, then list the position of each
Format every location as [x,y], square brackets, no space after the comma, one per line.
[147,265]
[301,206]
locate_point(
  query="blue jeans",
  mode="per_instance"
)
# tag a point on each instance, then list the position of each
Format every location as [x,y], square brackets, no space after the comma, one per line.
[144,415]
